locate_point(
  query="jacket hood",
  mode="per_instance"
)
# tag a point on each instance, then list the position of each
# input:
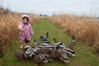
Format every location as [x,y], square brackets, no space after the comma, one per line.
[26,16]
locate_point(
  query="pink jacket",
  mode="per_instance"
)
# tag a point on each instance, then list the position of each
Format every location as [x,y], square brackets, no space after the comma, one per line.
[26,34]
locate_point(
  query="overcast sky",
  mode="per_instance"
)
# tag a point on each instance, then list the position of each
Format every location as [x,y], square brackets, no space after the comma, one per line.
[53,6]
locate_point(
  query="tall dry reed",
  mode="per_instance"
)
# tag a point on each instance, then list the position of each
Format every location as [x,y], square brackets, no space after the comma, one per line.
[85,29]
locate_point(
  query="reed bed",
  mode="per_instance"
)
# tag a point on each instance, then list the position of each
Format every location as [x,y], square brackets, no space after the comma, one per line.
[84,29]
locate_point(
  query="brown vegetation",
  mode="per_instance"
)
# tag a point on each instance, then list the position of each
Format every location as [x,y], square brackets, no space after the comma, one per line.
[84,29]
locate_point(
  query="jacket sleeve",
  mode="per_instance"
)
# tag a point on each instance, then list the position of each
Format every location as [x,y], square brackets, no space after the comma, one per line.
[19,26]
[31,30]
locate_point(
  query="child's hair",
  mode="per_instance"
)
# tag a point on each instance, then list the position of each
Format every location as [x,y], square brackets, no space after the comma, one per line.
[25,18]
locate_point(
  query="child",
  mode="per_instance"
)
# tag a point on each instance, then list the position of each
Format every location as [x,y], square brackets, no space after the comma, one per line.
[25,30]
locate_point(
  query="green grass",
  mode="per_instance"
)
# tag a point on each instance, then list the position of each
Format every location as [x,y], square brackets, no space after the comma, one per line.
[84,55]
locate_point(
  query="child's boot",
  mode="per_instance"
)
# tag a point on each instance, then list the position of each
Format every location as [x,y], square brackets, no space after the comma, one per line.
[27,44]
[21,46]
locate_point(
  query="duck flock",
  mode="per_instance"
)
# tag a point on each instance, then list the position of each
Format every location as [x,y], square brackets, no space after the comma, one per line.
[44,51]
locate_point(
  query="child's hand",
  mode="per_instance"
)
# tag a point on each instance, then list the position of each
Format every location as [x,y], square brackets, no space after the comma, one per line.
[22,29]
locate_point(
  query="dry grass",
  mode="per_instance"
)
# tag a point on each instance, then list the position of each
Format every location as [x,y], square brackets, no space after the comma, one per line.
[83,28]
[8,25]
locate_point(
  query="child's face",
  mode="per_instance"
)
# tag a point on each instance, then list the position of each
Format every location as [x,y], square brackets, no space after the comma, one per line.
[25,20]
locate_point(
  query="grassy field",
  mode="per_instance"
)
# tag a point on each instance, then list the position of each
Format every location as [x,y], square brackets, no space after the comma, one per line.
[84,55]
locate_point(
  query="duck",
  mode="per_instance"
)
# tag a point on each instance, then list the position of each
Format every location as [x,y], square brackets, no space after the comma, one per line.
[68,51]
[59,55]
[60,46]
[57,43]
[44,37]
[63,57]
[19,54]
[71,43]
[29,52]
[40,59]
[36,43]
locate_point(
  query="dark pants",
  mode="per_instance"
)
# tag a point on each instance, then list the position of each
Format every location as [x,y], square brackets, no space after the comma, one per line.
[27,41]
